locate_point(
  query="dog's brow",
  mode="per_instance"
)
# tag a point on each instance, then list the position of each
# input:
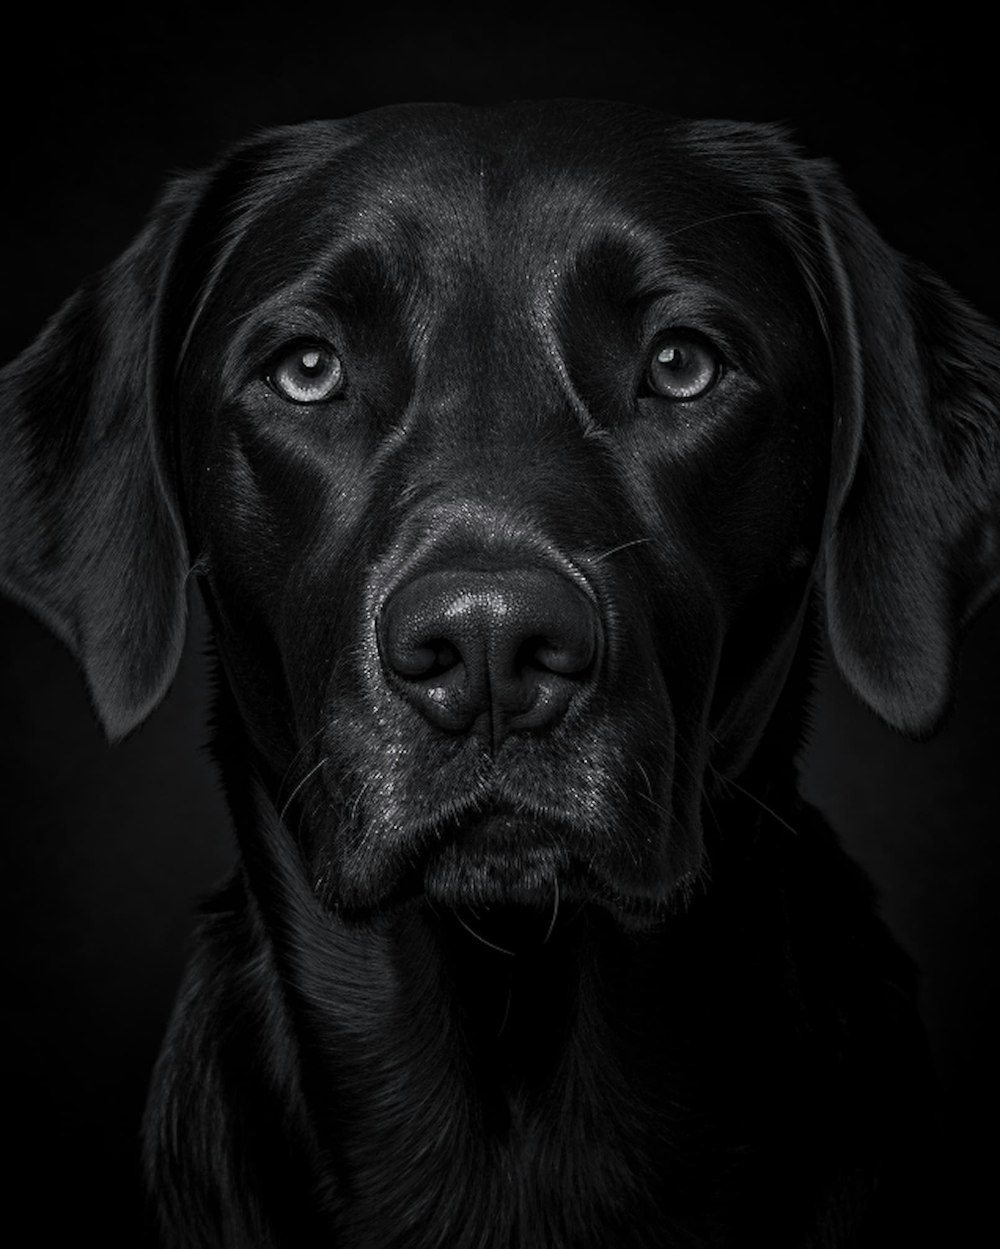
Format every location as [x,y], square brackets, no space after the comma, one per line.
[324,282]
[605,223]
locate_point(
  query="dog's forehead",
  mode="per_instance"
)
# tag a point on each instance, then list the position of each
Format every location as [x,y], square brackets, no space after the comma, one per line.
[526,185]
[489,150]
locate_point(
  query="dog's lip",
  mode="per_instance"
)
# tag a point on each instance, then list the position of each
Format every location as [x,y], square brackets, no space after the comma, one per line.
[497,820]
[476,824]
[498,831]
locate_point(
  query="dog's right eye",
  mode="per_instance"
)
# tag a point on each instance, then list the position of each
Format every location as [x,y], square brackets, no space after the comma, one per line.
[684,365]
[307,373]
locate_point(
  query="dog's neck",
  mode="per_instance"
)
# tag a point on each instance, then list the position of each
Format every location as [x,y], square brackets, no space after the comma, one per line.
[461,1069]
[462,1088]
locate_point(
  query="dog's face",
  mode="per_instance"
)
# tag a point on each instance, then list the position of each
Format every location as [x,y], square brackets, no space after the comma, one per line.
[504,452]
[506,444]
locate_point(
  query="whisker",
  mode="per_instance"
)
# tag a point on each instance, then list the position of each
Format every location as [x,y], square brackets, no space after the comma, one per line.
[339,666]
[479,937]
[312,771]
[707,221]
[506,1013]
[648,795]
[760,803]
[555,910]
[293,762]
[621,547]
[699,778]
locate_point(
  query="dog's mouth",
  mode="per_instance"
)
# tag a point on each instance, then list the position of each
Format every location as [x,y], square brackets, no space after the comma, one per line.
[495,857]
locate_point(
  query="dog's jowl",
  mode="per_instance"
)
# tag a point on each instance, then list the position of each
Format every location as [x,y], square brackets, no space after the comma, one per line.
[522,457]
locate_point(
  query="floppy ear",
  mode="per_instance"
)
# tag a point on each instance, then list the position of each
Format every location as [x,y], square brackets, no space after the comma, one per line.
[912,546]
[90,539]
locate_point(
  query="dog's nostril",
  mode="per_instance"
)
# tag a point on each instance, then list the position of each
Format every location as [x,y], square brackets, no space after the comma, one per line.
[568,656]
[425,660]
[489,651]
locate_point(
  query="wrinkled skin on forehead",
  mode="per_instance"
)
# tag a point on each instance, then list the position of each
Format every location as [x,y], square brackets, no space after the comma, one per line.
[494,291]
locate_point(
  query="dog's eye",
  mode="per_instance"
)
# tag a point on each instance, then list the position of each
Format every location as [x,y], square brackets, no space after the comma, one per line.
[682,366]
[308,373]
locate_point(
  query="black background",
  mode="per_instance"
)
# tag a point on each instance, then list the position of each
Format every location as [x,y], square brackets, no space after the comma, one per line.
[105,851]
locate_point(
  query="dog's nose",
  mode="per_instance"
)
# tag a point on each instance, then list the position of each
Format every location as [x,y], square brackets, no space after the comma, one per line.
[489,652]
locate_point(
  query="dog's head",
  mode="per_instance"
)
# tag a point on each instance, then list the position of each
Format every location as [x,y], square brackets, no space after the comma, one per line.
[509,446]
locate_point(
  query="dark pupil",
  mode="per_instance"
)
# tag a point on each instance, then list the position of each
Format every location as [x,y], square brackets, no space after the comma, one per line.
[312,363]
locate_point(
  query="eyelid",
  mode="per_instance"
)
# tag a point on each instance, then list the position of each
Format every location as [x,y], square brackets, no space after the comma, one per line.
[300,343]
[708,314]
[684,330]
[262,338]
[713,335]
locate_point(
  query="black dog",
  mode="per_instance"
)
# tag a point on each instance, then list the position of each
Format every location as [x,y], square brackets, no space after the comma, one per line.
[518,452]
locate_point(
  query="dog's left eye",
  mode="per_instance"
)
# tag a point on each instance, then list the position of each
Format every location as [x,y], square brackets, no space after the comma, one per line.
[683,365]
[308,373]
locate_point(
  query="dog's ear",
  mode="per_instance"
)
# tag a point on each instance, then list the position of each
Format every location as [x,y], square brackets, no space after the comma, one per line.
[90,539]
[912,545]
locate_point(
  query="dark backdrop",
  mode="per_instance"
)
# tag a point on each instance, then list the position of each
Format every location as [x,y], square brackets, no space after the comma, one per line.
[105,851]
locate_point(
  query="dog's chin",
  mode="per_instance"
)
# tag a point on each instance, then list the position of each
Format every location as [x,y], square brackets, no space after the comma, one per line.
[503,864]
[472,872]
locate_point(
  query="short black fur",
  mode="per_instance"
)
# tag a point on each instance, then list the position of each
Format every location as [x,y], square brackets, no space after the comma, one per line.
[532,941]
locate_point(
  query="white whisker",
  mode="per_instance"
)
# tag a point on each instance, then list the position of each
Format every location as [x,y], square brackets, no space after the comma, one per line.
[555,910]
[479,937]
[621,547]
[312,771]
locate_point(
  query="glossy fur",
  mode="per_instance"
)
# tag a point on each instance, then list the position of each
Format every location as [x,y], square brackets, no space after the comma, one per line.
[562,961]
